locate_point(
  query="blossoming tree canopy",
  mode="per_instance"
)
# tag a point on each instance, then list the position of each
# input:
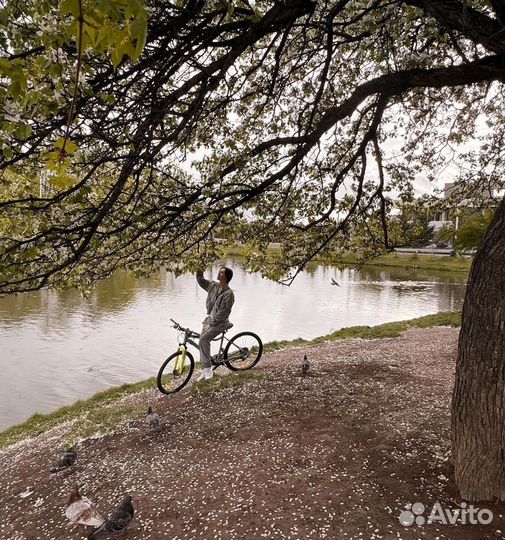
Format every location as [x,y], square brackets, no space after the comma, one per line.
[133,133]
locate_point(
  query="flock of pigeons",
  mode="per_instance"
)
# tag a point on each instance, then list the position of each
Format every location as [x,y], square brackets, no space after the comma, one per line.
[82,511]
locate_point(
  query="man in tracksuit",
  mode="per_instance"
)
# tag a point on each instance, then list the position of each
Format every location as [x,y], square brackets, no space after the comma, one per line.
[220,299]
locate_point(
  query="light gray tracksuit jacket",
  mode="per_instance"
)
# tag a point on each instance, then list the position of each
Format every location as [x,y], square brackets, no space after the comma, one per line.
[219,302]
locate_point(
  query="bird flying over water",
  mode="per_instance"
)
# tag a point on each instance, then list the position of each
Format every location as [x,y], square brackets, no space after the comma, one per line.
[66,460]
[117,522]
[153,420]
[305,365]
[333,282]
[81,510]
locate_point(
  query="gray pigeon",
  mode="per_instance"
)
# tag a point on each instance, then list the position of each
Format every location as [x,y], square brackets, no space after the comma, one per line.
[117,522]
[305,365]
[153,420]
[66,460]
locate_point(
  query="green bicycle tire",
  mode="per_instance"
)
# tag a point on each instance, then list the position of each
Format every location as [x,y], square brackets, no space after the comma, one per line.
[162,383]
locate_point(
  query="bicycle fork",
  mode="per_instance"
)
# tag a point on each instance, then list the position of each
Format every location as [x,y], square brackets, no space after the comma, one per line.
[180,360]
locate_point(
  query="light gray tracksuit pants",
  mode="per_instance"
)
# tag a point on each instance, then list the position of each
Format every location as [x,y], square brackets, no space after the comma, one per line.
[207,335]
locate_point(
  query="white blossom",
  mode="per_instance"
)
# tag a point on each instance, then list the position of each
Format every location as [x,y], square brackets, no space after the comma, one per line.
[12,111]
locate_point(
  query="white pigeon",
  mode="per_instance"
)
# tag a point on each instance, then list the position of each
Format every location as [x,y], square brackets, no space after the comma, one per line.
[81,510]
[153,420]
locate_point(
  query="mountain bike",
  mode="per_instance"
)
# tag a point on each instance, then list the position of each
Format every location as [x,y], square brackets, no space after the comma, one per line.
[243,351]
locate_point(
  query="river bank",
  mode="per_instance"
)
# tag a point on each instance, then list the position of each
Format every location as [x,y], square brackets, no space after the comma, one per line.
[458,265]
[59,347]
[94,415]
[270,454]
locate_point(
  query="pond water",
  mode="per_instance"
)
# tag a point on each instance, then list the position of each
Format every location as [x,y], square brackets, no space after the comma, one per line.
[56,347]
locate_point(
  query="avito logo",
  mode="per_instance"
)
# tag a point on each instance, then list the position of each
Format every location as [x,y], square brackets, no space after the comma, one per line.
[465,514]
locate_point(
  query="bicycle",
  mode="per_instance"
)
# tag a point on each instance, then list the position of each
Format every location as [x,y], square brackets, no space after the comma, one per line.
[243,351]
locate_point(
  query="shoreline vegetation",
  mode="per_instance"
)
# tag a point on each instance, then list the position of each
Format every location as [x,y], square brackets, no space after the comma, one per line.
[100,414]
[436,263]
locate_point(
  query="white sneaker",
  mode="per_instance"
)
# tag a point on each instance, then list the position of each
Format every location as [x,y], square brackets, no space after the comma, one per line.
[205,373]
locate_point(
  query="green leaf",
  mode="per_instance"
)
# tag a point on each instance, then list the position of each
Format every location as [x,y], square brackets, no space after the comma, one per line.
[70,6]
[102,37]
[7,152]
[23,131]
[59,142]
[256,18]
[108,98]
[116,57]
[61,180]
[5,66]
[70,146]
[134,8]
[18,83]
[55,70]
[129,50]
[92,34]
[140,35]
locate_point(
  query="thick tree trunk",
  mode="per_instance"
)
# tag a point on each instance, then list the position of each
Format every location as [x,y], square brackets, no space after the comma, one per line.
[478,404]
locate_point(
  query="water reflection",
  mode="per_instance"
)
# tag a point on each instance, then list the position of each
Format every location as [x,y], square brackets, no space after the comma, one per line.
[56,347]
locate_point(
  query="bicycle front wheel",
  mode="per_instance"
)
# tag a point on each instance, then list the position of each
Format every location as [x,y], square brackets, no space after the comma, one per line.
[175,372]
[243,351]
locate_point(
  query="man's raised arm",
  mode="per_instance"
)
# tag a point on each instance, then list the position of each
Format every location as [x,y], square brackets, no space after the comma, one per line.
[204,283]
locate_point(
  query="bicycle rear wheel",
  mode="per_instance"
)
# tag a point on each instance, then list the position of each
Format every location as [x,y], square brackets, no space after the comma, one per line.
[243,351]
[175,372]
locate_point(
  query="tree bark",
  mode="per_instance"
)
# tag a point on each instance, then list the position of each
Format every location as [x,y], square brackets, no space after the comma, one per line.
[478,403]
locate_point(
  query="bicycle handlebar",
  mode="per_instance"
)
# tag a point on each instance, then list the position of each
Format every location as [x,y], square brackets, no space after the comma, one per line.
[177,326]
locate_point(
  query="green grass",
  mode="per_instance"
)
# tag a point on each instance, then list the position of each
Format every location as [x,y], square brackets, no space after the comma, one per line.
[103,419]
[217,384]
[100,413]
[415,261]
[392,329]
[91,416]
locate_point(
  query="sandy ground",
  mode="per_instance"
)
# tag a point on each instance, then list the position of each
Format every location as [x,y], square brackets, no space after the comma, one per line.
[336,454]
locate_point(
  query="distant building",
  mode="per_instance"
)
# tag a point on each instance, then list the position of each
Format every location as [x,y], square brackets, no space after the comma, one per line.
[452,213]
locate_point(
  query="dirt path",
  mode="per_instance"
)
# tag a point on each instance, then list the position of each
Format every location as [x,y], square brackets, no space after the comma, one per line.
[337,454]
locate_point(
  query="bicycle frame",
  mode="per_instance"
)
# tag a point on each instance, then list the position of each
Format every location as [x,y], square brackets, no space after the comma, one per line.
[187,339]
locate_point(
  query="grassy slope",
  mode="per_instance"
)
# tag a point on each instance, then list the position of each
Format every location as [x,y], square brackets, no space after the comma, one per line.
[99,413]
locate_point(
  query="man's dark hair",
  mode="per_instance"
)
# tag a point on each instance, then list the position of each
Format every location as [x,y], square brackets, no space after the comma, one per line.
[228,272]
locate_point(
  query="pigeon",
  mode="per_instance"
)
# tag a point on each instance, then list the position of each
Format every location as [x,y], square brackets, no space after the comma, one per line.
[81,510]
[66,460]
[153,420]
[305,365]
[333,282]
[117,522]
